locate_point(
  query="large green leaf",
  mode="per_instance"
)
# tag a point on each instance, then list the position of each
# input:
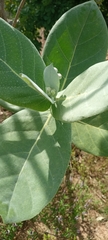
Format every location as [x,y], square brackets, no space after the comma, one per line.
[18,55]
[91,135]
[34,154]
[78,40]
[15,91]
[85,96]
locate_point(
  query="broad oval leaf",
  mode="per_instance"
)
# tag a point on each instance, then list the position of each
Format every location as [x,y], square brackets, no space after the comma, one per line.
[34,154]
[78,40]
[85,96]
[91,135]
[19,54]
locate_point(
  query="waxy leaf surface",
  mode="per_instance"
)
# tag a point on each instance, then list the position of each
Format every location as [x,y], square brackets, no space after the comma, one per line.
[15,91]
[19,55]
[34,154]
[78,40]
[85,96]
[91,135]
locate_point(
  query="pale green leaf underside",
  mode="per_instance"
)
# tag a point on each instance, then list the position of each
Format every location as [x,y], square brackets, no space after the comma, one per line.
[85,96]
[15,91]
[91,135]
[78,40]
[34,154]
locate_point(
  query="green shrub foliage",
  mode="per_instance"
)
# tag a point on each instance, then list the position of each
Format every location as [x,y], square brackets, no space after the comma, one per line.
[104,9]
[36,14]
[43,13]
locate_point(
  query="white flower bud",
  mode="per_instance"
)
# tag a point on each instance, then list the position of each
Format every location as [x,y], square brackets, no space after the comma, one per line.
[56,69]
[59,75]
[53,92]
[48,91]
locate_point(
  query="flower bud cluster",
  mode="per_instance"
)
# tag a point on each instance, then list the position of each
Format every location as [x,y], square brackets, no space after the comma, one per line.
[50,91]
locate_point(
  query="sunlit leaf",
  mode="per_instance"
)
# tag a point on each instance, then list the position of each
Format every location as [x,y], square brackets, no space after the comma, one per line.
[91,135]
[19,55]
[78,40]
[34,154]
[85,96]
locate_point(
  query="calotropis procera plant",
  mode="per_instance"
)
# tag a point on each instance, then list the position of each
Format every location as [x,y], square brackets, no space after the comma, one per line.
[59,98]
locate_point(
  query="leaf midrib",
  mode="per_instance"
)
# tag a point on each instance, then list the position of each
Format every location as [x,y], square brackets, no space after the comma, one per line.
[46,122]
[65,79]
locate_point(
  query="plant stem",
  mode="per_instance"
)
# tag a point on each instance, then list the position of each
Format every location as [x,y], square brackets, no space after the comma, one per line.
[2,10]
[18,12]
